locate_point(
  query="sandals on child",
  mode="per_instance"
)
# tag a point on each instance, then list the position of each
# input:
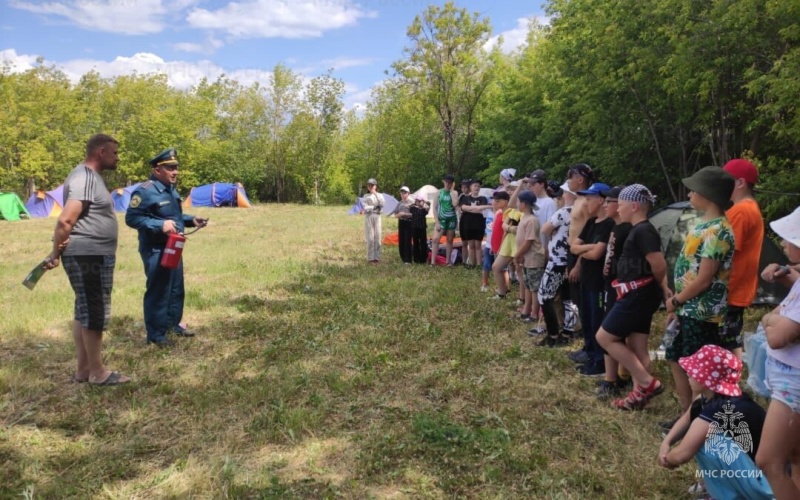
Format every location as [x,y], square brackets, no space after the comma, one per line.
[638,398]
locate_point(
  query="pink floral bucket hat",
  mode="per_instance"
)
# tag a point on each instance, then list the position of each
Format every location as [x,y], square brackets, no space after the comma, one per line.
[714,368]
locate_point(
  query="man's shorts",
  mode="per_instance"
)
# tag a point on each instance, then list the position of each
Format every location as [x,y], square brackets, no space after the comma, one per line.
[533,277]
[732,327]
[91,277]
[552,280]
[448,223]
[488,259]
[784,382]
[633,313]
[509,246]
[693,335]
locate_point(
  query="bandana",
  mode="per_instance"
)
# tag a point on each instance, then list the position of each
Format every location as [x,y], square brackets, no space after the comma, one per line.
[508,173]
[638,194]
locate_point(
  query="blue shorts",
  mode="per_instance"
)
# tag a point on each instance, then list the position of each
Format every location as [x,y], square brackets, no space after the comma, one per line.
[488,259]
[784,382]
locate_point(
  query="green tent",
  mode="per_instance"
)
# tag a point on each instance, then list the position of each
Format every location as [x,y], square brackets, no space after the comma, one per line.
[11,207]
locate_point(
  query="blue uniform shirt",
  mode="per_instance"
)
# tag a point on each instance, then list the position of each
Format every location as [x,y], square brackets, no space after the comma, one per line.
[151,204]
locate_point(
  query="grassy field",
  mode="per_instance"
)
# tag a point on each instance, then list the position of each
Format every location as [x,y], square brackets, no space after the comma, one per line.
[314,374]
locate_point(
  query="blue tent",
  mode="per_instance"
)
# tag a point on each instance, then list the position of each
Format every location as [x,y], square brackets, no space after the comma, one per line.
[46,203]
[122,197]
[219,194]
[390,202]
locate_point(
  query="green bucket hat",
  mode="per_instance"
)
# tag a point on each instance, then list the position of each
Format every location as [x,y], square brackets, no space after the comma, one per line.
[714,184]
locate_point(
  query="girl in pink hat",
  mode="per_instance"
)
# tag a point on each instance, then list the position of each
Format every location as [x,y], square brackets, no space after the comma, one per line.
[721,430]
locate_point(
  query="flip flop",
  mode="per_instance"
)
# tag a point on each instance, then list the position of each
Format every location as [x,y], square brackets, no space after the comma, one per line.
[114,379]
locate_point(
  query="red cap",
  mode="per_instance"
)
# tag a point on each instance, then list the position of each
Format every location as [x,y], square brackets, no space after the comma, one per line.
[742,169]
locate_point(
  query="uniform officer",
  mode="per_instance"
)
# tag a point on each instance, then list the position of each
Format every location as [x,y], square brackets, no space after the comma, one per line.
[155,211]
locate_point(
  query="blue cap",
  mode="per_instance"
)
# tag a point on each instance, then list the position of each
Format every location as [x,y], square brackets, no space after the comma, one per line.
[528,198]
[166,157]
[596,189]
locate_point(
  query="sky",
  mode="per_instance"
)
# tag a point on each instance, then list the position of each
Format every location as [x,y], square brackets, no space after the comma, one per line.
[191,39]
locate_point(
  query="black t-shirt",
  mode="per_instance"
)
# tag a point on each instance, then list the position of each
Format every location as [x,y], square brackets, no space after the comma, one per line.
[739,417]
[642,240]
[592,270]
[614,249]
[471,220]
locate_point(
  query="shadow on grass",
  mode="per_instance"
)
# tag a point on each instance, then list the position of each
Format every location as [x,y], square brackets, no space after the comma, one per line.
[345,379]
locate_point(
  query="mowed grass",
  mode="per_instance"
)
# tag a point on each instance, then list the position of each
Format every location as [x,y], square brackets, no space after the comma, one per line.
[314,374]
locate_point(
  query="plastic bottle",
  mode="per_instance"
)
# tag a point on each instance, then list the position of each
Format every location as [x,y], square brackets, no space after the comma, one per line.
[673,328]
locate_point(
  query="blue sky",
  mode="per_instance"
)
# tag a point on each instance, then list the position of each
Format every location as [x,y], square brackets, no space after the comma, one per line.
[190,39]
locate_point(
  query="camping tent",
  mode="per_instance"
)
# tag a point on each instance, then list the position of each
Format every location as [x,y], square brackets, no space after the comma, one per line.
[389,204]
[674,221]
[429,192]
[218,194]
[46,203]
[11,207]
[122,197]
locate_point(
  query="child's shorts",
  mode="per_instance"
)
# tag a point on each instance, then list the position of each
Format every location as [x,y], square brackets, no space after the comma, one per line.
[533,277]
[552,279]
[509,246]
[633,313]
[488,259]
[784,382]
[448,223]
[693,335]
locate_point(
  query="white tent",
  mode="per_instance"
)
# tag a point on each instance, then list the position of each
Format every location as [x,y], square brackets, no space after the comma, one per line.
[429,192]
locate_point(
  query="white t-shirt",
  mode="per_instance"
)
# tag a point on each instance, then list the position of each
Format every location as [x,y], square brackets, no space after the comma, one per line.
[547,207]
[558,246]
[790,308]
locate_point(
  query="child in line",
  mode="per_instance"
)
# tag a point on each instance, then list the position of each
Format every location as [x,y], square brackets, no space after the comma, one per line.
[419,228]
[641,279]
[780,443]
[702,270]
[590,248]
[499,204]
[529,255]
[721,430]
[472,225]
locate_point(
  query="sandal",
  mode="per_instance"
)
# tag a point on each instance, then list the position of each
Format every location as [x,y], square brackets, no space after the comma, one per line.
[115,378]
[638,398]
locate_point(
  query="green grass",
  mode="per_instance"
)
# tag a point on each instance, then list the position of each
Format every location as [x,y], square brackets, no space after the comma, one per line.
[313,375]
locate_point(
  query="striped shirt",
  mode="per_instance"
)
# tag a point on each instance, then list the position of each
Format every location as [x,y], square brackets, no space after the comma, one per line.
[96,230]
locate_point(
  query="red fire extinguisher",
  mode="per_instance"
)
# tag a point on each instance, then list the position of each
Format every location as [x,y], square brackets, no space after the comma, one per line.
[173,251]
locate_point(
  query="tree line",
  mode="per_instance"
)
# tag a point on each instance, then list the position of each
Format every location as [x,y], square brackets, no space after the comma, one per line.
[643,90]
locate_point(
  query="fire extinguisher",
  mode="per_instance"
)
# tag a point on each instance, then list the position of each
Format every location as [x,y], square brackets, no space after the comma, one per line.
[173,251]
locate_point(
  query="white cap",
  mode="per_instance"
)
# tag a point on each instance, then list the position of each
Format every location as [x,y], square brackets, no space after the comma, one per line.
[788,227]
[420,197]
[566,189]
[508,173]
[405,188]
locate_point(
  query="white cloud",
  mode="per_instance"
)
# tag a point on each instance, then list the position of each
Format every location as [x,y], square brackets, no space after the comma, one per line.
[517,36]
[279,18]
[129,17]
[180,74]
[17,62]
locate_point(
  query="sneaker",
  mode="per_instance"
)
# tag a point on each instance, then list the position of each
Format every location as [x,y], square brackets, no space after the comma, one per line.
[580,356]
[526,318]
[484,288]
[592,369]
[666,426]
[607,390]
[497,296]
[698,490]
[548,341]
[538,330]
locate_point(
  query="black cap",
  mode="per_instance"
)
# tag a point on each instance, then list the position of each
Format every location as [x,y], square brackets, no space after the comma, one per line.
[538,175]
[466,182]
[714,184]
[612,192]
[448,177]
[582,169]
[554,189]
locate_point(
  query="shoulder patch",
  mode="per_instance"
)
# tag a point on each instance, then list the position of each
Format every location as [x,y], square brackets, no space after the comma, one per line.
[135,200]
[146,185]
